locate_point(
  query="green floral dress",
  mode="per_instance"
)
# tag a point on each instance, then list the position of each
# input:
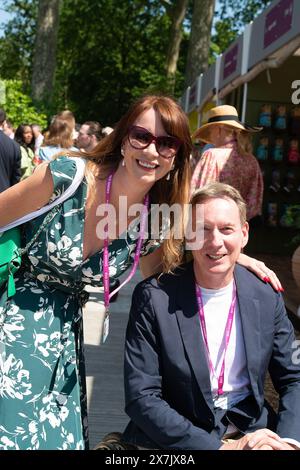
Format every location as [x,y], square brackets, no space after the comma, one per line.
[42,376]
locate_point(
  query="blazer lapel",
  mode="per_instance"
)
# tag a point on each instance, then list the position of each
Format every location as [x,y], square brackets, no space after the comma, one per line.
[249,308]
[190,329]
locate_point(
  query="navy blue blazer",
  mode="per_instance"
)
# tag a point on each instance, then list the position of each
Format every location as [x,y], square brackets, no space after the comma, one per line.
[167,385]
[10,162]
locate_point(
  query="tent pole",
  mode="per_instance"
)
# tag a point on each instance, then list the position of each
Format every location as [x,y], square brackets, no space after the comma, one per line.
[245,96]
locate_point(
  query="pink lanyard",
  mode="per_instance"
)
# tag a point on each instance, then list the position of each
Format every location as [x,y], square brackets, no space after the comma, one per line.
[108,295]
[228,328]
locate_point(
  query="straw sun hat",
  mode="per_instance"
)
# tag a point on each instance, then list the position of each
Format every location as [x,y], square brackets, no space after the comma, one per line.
[224,114]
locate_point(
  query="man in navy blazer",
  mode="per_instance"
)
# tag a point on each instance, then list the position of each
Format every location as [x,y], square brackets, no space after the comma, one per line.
[10,158]
[200,341]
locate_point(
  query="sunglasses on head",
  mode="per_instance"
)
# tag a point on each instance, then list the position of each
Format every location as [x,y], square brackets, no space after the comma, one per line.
[167,146]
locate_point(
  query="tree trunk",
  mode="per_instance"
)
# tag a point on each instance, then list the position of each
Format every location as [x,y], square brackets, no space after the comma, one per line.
[199,44]
[177,16]
[44,61]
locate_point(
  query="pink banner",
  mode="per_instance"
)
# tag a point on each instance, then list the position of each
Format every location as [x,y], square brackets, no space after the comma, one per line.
[278,21]
[230,61]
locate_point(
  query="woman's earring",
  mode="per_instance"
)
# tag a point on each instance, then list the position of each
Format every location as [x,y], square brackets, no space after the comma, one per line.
[123,154]
[169,174]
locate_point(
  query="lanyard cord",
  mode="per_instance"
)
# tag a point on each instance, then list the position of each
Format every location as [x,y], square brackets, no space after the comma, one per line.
[144,214]
[228,329]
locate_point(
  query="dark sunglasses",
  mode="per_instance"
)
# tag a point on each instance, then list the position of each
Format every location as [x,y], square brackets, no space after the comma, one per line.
[167,146]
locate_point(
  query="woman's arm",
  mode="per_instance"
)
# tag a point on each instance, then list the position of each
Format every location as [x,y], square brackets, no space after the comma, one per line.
[261,270]
[26,196]
[152,264]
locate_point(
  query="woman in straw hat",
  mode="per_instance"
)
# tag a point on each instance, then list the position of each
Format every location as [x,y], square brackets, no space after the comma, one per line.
[230,161]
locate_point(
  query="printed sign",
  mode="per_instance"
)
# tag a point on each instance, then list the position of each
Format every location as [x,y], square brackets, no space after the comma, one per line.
[230,61]
[278,21]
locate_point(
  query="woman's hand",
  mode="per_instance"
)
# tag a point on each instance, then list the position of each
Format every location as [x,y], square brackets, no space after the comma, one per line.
[261,270]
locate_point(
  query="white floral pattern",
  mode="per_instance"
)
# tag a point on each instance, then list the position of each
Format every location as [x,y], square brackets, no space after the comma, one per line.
[42,382]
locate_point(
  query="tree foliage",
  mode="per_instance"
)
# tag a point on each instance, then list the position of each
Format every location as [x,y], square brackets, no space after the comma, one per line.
[111,51]
[19,106]
[105,62]
[17,44]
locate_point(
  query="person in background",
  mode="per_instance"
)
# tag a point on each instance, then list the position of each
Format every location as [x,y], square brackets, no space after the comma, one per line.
[8,129]
[89,136]
[76,133]
[68,116]
[229,161]
[10,158]
[199,344]
[24,137]
[38,141]
[59,137]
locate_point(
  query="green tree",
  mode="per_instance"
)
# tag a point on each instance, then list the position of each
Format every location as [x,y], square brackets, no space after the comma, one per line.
[199,42]
[176,12]
[110,51]
[44,62]
[103,64]
[19,106]
[17,43]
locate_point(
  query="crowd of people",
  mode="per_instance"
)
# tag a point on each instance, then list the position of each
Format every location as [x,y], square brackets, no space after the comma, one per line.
[38,145]
[201,335]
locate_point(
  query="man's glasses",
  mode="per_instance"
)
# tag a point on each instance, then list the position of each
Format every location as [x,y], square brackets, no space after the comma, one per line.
[167,146]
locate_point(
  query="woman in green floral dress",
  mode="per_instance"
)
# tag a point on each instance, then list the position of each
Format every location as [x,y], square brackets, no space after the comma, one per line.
[42,377]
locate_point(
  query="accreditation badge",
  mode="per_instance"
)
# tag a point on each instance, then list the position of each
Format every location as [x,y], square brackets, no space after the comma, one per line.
[105,328]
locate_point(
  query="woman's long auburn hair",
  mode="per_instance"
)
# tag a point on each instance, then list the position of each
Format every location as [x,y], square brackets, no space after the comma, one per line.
[107,156]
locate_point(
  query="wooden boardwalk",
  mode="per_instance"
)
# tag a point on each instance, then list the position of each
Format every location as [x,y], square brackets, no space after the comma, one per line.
[104,363]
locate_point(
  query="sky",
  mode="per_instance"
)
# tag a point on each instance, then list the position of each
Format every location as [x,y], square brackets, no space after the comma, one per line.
[4,18]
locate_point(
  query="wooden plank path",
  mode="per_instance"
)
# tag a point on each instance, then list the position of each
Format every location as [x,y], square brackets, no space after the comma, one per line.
[104,362]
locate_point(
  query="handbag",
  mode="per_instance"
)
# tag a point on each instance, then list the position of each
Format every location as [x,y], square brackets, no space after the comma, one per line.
[10,258]
[10,239]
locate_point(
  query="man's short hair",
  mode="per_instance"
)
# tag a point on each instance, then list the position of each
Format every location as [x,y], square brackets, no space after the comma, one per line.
[9,124]
[95,129]
[2,116]
[220,191]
